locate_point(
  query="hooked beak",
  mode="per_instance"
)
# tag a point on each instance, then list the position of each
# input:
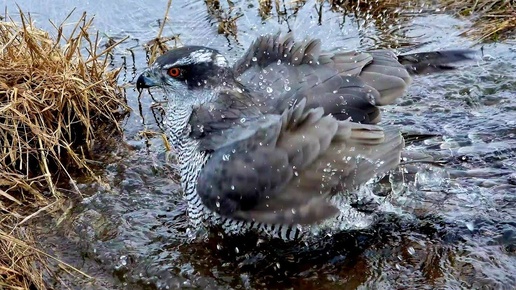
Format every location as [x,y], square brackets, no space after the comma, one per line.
[145,80]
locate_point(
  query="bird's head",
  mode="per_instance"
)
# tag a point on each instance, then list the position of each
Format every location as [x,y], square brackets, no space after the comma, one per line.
[187,74]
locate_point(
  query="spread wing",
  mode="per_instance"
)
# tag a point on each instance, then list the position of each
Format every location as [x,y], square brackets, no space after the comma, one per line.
[307,128]
[346,84]
[284,171]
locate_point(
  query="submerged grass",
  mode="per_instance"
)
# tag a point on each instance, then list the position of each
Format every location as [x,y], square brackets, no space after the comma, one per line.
[493,20]
[59,103]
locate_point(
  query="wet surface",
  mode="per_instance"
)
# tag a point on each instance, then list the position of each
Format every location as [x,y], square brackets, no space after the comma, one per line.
[451,226]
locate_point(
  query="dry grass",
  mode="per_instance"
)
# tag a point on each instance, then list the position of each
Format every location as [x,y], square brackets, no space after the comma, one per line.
[493,20]
[16,258]
[154,49]
[376,8]
[58,101]
[226,15]
[23,266]
[158,45]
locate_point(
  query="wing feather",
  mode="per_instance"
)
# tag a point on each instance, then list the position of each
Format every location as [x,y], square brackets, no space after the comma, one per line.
[288,177]
[294,70]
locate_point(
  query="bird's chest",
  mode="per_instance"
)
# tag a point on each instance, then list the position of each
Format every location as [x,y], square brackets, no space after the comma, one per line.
[191,160]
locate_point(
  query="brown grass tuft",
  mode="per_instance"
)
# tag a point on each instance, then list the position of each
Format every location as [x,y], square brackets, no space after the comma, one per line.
[55,103]
[59,103]
[493,20]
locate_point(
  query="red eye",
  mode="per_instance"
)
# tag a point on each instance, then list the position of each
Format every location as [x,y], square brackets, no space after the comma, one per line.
[174,72]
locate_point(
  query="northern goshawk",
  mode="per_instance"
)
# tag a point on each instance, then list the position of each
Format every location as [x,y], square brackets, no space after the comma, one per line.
[277,141]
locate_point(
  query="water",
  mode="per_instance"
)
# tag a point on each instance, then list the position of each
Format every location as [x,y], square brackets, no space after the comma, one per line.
[450,227]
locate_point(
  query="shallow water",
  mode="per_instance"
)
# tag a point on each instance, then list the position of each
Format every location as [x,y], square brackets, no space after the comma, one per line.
[451,227]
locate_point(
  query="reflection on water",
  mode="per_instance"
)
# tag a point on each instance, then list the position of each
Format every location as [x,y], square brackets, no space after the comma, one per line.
[449,225]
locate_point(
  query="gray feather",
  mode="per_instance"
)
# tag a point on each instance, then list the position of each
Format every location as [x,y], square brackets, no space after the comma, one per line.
[286,171]
[346,84]
[224,120]
[435,61]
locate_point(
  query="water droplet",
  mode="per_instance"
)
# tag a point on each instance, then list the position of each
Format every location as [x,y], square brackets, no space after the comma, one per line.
[217,204]
[254,58]
[287,87]
[232,187]
[371,99]
[225,157]
[293,211]
[237,250]
[278,62]
[411,251]
[219,247]
[123,260]
[269,90]
[242,120]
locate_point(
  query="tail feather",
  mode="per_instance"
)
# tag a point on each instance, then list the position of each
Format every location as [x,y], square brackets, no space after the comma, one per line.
[380,159]
[435,61]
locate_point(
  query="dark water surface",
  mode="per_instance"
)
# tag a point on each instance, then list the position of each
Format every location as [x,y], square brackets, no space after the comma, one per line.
[448,227]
